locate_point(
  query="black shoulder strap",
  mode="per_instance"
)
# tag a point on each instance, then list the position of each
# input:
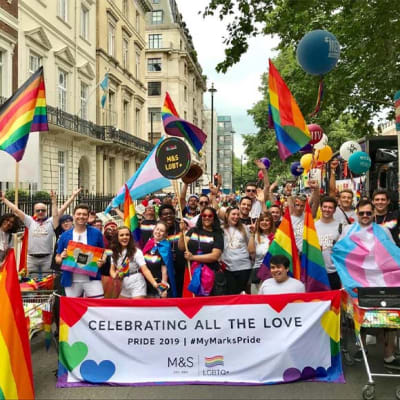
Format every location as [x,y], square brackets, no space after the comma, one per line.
[345,215]
[340,228]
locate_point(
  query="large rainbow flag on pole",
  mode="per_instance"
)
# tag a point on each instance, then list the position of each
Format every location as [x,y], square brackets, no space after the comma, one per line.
[130,218]
[313,272]
[290,127]
[24,112]
[284,244]
[176,126]
[16,379]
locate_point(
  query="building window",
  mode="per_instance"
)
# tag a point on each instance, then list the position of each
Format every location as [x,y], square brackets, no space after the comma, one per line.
[35,61]
[137,21]
[125,8]
[155,41]
[185,68]
[185,115]
[111,175]
[63,9]
[157,17]
[154,64]
[126,170]
[154,89]
[125,53]
[62,90]
[185,93]
[125,115]
[156,113]
[111,120]
[84,101]
[61,173]
[137,69]
[111,39]
[85,23]
[137,116]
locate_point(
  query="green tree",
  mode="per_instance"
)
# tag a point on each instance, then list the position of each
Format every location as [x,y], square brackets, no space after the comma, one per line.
[364,81]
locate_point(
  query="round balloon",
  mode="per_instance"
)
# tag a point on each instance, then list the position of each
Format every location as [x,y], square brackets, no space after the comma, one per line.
[318,52]
[316,133]
[306,161]
[322,143]
[306,149]
[296,169]
[359,162]
[260,174]
[325,154]
[266,162]
[349,148]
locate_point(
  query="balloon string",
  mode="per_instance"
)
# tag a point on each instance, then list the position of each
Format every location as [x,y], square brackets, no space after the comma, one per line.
[319,98]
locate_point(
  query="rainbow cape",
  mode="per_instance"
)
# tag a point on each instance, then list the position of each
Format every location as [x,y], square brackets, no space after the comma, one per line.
[175,126]
[284,244]
[24,112]
[16,379]
[130,217]
[313,272]
[290,127]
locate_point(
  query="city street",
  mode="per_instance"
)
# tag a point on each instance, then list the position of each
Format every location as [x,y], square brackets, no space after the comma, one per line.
[44,365]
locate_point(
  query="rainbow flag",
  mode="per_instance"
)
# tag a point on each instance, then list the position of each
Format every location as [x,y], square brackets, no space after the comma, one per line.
[290,127]
[24,112]
[176,126]
[130,216]
[313,272]
[47,317]
[215,361]
[23,266]
[16,379]
[284,244]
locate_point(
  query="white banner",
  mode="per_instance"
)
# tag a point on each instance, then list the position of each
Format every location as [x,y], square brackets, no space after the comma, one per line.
[233,339]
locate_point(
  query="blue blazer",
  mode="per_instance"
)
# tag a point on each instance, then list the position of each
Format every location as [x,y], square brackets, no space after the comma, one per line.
[94,238]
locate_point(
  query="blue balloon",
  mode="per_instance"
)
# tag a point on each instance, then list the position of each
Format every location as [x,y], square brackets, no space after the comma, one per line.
[318,52]
[296,169]
[359,162]
[306,149]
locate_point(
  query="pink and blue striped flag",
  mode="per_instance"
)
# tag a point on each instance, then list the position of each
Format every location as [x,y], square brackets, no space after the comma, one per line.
[147,179]
[362,262]
[175,126]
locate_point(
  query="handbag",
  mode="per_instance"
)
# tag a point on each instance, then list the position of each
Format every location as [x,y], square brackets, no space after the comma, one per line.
[220,287]
[207,280]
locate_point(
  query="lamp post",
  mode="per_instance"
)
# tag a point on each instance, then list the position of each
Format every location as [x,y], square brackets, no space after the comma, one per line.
[212,90]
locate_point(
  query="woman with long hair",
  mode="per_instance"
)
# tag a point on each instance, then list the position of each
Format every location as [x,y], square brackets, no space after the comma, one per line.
[236,256]
[9,224]
[158,257]
[128,264]
[260,240]
[205,241]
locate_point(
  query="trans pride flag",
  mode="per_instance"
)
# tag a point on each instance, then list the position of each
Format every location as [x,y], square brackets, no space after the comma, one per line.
[367,258]
[313,272]
[284,244]
[130,218]
[176,126]
[16,379]
[24,112]
[147,179]
[290,127]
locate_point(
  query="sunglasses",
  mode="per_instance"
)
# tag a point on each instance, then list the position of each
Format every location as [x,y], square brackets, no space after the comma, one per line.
[209,216]
[251,190]
[203,203]
[41,210]
[365,213]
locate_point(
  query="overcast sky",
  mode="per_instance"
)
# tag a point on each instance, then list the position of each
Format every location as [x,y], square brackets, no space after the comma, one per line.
[237,90]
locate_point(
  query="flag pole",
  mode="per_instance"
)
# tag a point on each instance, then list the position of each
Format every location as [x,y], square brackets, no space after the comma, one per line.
[16,189]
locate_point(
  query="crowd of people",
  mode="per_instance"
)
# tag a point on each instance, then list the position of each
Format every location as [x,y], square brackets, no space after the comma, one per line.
[225,236]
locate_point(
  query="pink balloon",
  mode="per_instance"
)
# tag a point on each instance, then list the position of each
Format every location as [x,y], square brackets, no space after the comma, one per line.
[316,133]
[260,175]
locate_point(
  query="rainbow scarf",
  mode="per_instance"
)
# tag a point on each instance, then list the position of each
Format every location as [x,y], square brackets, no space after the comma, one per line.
[290,127]
[175,126]
[24,112]
[16,379]
[313,272]
[123,269]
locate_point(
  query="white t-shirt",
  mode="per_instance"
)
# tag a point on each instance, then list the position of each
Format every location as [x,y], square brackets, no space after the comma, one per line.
[235,254]
[298,227]
[328,234]
[135,263]
[256,209]
[41,235]
[261,249]
[340,216]
[81,238]
[291,285]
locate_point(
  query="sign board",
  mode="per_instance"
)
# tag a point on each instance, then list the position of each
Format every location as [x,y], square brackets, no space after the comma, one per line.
[173,158]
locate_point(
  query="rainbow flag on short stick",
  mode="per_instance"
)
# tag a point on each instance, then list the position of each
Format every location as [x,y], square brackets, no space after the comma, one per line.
[130,217]
[290,127]
[24,112]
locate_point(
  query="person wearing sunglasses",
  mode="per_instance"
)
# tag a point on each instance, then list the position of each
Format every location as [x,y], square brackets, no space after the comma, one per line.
[41,232]
[205,241]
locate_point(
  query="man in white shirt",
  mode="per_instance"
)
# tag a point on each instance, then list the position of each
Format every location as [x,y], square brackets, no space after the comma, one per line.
[344,212]
[328,231]
[281,282]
